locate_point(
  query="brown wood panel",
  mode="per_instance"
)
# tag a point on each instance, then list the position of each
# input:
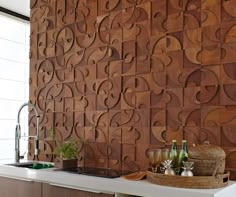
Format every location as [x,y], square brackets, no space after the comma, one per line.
[126,76]
[18,188]
[56,191]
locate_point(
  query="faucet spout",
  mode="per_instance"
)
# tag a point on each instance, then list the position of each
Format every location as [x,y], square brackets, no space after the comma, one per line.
[18,132]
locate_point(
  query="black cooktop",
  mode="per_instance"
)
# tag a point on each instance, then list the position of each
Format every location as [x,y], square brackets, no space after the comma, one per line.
[100,172]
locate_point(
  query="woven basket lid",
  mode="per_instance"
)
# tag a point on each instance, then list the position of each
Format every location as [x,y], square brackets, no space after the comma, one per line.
[206,151]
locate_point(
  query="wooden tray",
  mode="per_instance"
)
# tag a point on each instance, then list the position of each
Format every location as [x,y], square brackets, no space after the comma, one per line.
[197,182]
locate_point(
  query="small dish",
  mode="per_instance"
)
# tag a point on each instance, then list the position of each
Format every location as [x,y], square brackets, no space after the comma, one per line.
[136,176]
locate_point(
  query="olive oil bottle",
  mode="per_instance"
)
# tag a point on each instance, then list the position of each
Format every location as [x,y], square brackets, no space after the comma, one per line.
[174,154]
[183,156]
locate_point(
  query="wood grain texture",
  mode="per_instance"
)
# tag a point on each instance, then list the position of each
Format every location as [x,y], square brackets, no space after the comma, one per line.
[127,76]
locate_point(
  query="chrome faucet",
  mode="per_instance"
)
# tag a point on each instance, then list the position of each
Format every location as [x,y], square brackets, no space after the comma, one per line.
[18,132]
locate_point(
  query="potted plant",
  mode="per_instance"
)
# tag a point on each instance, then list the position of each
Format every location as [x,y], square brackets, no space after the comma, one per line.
[67,153]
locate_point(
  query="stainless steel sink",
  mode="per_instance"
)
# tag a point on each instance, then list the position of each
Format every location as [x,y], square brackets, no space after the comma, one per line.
[32,165]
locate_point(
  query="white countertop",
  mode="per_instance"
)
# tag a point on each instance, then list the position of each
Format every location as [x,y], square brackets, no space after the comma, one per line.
[106,185]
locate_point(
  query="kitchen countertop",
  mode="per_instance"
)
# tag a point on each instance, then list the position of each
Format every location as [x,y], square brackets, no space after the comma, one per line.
[106,185]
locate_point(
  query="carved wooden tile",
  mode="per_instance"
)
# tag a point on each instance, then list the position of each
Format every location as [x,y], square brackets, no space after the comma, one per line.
[228,11]
[210,55]
[101,134]
[227,32]
[174,133]
[210,95]
[113,101]
[68,119]
[156,81]
[115,134]
[79,132]
[128,83]
[127,117]
[115,68]
[210,116]
[175,69]
[159,17]
[114,155]
[174,97]
[193,5]
[143,64]
[129,135]
[173,41]
[211,15]
[128,155]
[192,19]
[102,118]
[175,22]
[115,119]
[79,119]
[46,120]
[191,117]
[192,135]
[173,117]
[208,3]
[230,158]
[90,118]
[95,154]
[192,96]
[158,117]
[129,53]
[141,84]
[142,162]
[159,99]
[227,94]
[228,73]
[210,35]
[228,136]
[142,117]
[228,52]
[192,38]
[128,100]
[174,6]
[211,75]
[89,134]
[101,102]
[158,135]
[129,32]
[192,57]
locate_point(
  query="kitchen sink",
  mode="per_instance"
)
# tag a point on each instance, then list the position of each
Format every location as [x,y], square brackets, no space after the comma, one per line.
[31,165]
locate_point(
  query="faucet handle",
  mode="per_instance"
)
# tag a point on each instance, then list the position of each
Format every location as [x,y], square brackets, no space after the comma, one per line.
[21,157]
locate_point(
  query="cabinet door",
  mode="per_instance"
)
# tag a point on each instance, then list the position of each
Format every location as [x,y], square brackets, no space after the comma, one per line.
[60,191]
[10,187]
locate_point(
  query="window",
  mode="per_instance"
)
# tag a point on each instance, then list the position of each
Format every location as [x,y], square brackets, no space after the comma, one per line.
[14,81]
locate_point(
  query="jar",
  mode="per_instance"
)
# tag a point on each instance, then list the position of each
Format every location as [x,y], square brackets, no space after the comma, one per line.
[208,159]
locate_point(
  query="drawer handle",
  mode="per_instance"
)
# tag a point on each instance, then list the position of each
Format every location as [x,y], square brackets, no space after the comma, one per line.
[76,188]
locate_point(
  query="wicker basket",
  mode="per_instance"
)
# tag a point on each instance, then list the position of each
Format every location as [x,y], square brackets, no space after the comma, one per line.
[208,160]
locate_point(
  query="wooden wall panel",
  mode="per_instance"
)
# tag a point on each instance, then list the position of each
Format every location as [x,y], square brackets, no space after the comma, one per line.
[126,76]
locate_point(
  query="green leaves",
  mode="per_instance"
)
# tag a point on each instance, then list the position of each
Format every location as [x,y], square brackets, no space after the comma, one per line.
[68,150]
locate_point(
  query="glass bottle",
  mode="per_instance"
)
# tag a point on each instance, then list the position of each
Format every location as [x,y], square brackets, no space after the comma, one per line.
[174,154]
[183,156]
